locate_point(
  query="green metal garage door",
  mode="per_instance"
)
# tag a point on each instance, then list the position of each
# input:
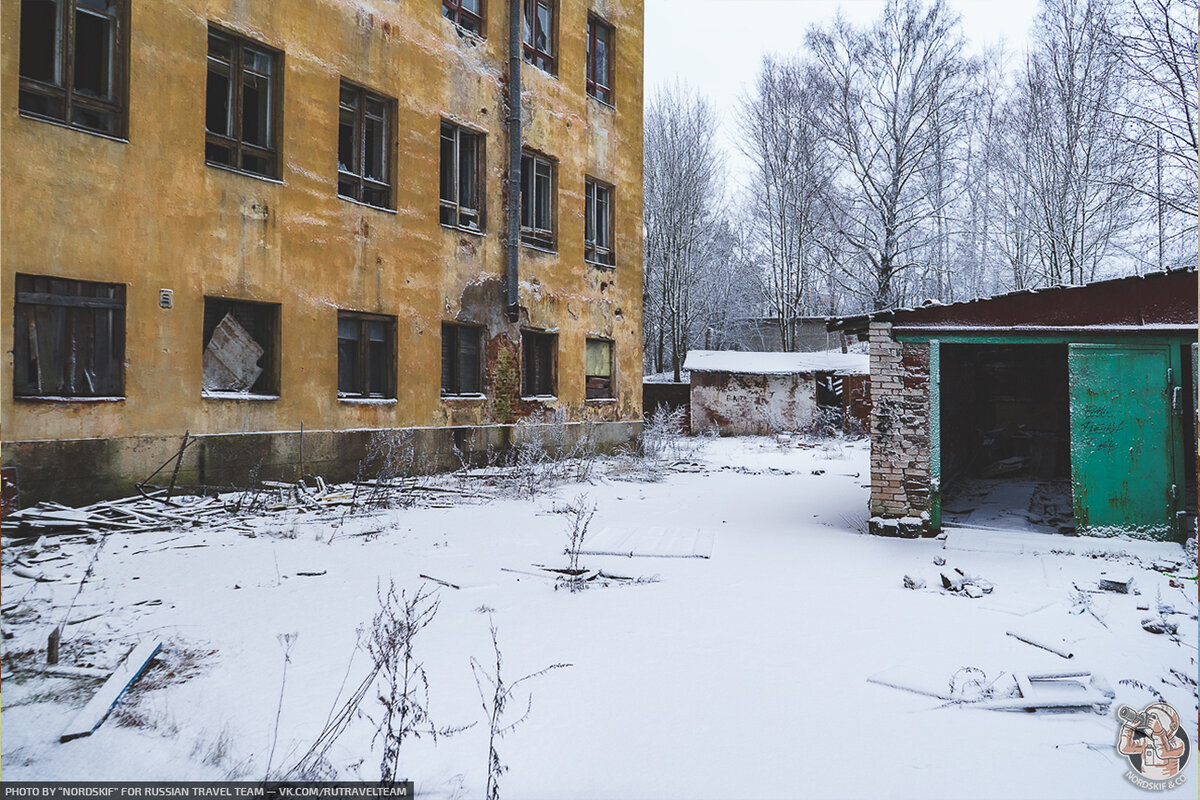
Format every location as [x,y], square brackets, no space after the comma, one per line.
[1122,459]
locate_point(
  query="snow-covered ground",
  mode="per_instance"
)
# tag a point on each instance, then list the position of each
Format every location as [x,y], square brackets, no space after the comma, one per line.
[739,675]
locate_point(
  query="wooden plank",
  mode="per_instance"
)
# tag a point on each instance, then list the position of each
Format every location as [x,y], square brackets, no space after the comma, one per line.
[88,719]
[231,358]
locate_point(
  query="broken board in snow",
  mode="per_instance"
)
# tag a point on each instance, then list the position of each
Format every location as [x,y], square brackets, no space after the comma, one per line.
[87,720]
[1063,690]
[231,358]
[650,543]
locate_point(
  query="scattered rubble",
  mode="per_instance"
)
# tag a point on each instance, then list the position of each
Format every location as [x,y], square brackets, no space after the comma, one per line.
[1159,625]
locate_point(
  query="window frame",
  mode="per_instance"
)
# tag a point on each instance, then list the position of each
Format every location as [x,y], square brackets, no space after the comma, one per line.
[35,298]
[533,340]
[531,234]
[236,142]
[602,91]
[456,390]
[453,10]
[359,180]
[448,207]
[268,383]
[362,372]
[594,251]
[63,89]
[545,60]
[609,391]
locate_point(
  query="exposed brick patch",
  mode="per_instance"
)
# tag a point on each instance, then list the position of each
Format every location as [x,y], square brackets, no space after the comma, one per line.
[900,465]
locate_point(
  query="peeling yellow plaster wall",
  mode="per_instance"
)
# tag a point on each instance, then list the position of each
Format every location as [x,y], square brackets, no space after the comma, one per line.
[151,214]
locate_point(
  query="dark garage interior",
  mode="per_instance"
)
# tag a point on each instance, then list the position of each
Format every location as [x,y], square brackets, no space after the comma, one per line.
[1005,436]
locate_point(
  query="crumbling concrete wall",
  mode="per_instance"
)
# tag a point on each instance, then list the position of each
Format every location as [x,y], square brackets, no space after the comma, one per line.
[738,404]
[901,477]
[80,471]
[149,213]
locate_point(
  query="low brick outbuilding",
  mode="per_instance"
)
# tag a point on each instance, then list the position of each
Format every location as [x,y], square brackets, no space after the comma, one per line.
[743,393]
[1073,408]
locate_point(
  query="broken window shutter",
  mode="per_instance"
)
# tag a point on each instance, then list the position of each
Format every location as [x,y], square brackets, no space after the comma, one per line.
[449,347]
[468,360]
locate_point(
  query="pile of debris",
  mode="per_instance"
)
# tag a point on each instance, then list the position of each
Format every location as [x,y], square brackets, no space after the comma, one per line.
[156,510]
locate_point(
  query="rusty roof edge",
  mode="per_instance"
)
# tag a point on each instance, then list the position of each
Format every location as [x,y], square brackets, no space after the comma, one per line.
[862,320]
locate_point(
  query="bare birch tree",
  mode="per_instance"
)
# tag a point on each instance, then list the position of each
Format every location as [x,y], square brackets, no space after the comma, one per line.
[791,175]
[683,194]
[896,97]
[1067,144]
[1156,41]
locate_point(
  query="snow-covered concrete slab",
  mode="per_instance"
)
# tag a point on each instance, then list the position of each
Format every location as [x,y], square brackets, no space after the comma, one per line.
[777,363]
[982,540]
[650,543]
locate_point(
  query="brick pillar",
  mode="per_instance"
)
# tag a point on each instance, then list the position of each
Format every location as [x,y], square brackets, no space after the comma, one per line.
[900,462]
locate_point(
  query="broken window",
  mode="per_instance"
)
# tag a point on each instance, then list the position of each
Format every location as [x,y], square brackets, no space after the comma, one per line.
[599,369]
[597,226]
[241,346]
[366,355]
[241,104]
[72,63]
[539,34]
[68,338]
[599,59]
[364,146]
[537,201]
[461,177]
[466,14]
[461,365]
[537,363]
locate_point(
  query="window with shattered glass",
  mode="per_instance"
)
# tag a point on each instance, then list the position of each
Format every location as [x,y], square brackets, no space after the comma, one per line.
[73,63]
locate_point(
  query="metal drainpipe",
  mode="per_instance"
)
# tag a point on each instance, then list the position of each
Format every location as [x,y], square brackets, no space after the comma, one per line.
[515,54]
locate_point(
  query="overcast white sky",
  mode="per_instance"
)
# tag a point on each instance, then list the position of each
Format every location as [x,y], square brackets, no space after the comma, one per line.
[717,45]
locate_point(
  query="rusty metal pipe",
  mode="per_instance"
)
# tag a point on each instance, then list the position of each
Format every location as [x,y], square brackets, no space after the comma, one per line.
[515,52]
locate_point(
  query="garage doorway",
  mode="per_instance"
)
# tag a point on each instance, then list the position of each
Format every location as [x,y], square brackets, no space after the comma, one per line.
[1006,437]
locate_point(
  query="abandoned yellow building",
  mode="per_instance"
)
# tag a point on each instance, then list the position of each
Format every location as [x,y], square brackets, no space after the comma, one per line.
[280,227]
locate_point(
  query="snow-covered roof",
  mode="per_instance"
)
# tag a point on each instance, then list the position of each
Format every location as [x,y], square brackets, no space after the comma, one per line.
[777,363]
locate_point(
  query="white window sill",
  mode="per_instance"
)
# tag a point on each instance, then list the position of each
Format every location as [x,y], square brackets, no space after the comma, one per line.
[603,103]
[60,124]
[539,248]
[210,395]
[601,400]
[461,229]
[540,398]
[461,397]
[599,264]
[368,401]
[49,398]
[384,209]
[255,175]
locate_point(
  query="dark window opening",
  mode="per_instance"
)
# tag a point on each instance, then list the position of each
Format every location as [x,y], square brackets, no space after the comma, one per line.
[364,146]
[466,14]
[599,369]
[72,63]
[1005,436]
[537,201]
[599,59]
[829,390]
[68,338]
[462,368]
[537,363]
[241,102]
[241,342]
[597,227]
[461,180]
[539,34]
[366,355]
